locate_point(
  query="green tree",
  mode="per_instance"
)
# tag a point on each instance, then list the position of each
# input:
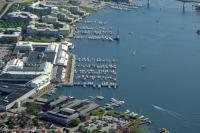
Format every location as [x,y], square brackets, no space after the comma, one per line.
[11,126]
[36,121]
[74,122]
[96,131]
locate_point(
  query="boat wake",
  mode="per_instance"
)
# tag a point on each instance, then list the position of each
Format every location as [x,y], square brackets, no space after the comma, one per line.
[185,121]
[172,113]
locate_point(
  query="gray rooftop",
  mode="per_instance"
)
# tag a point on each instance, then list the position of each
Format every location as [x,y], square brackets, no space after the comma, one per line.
[11,92]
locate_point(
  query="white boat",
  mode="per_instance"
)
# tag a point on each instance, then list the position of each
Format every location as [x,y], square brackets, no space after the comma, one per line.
[134,53]
[145,119]
[91,97]
[49,94]
[113,100]
[117,101]
[164,130]
[142,66]
[158,108]
[197,7]
[108,106]
[131,33]
[127,111]
[141,117]
[100,97]
[115,104]
[134,115]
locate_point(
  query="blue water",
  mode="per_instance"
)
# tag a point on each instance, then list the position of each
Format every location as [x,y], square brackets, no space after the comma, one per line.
[170,50]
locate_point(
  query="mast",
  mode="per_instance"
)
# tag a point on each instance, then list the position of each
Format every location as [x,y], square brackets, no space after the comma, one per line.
[117,38]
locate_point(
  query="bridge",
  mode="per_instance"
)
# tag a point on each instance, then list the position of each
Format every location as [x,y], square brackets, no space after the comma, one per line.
[189,1]
[183,1]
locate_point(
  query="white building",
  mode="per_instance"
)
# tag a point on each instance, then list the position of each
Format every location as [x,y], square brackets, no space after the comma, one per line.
[39,82]
[8,35]
[63,56]
[55,2]
[21,16]
[14,64]
[36,28]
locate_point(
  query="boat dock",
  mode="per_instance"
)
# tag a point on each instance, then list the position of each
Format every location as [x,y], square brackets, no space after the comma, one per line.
[96,72]
[93,30]
[124,6]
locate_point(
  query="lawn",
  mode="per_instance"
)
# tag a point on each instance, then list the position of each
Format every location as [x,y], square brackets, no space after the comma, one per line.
[98,112]
[39,39]
[117,114]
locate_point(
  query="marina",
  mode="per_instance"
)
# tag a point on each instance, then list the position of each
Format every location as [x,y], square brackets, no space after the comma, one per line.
[155,82]
[96,72]
[152,63]
[124,6]
[93,30]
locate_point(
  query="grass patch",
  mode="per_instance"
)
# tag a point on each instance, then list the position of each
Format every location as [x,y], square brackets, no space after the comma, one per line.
[138,130]
[32,108]
[98,112]
[74,122]
[87,9]
[117,114]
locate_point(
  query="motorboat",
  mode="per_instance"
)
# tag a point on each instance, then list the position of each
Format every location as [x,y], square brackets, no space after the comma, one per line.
[134,53]
[100,97]
[197,7]
[127,111]
[142,66]
[141,117]
[117,101]
[164,130]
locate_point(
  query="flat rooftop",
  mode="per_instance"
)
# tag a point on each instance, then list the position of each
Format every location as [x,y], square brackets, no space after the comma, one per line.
[37,57]
[11,92]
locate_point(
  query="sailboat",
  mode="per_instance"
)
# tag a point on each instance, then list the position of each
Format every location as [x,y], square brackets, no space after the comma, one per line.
[197,7]
[134,53]
[117,37]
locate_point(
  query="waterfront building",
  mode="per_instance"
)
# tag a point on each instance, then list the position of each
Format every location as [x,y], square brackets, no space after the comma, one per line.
[75,2]
[24,73]
[11,95]
[49,19]
[123,1]
[39,9]
[75,10]
[69,108]
[39,82]
[10,35]
[36,28]
[55,2]
[22,17]
[67,17]
[34,68]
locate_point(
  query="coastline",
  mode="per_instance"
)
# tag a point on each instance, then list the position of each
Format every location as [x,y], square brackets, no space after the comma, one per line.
[146,127]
